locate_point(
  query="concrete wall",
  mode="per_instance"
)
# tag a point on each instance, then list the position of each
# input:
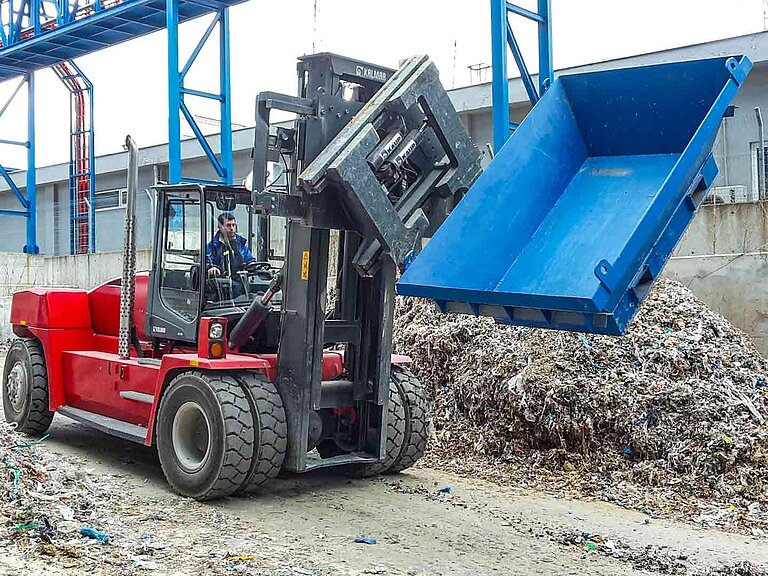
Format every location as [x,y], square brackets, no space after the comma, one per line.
[21,271]
[723,259]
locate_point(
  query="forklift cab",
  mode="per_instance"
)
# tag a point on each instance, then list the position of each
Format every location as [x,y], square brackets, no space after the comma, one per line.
[182,290]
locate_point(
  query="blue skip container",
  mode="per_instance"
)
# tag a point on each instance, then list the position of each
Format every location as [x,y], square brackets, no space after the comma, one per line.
[575,217]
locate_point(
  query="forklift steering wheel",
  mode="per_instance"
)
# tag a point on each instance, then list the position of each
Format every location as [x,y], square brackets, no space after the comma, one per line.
[254,266]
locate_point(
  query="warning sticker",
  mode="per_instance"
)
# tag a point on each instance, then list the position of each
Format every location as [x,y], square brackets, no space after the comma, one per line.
[305,265]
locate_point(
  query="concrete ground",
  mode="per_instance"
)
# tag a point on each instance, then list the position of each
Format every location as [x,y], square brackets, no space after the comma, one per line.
[479,529]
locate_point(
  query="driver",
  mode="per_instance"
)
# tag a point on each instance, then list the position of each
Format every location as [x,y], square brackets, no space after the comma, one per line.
[228,253]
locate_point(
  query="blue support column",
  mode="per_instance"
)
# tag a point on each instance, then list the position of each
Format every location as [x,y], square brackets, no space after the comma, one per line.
[546,71]
[226,97]
[174,92]
[502,37]
[222,164]
[500,86]
[31,246]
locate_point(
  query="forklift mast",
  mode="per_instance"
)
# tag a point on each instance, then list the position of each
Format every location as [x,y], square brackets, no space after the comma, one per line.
[382,166]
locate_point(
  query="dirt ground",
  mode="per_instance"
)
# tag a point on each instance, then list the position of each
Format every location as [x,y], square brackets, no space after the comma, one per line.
[307,525]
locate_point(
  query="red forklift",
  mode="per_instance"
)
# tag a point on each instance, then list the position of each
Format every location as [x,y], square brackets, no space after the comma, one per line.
[237,376]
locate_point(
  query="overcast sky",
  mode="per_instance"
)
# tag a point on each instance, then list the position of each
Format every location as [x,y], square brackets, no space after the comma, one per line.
[267,36]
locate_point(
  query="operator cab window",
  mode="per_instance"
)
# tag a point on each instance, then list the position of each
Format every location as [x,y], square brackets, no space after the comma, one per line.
[233,275]
[182,258]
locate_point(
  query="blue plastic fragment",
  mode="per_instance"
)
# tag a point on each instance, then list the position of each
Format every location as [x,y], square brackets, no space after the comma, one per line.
[445,490]
[95,534]
[365,540]
[575,217]
[628,451]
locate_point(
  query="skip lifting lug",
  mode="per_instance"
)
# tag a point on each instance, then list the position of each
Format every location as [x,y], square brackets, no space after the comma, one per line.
[737,69]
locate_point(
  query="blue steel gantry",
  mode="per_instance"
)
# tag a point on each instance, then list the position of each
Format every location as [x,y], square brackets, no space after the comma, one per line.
[503,38]
[37,34]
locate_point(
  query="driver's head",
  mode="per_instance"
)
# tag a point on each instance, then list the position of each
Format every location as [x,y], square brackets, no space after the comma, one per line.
[227,225]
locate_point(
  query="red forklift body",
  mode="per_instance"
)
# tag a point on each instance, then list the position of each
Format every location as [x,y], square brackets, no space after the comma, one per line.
[79,333]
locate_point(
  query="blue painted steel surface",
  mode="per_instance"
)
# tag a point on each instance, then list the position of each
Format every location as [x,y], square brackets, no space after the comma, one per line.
[546,66]
[27,204]
[577,214]
[174,92]
[500,82]
[31,246]
[37,34]
[82,28]
[503,37]
[223,162]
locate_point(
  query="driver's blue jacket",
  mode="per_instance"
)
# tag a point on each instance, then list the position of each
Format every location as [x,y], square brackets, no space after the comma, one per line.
[229,261]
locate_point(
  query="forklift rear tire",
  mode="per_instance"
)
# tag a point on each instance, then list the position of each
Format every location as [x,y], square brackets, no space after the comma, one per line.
[25,387]
[271,430]
[205,435]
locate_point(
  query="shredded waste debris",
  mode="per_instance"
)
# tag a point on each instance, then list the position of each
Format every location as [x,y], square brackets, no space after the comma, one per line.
[57,511]
[669,419]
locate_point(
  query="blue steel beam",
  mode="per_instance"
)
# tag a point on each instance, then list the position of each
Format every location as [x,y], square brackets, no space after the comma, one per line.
[67,36]
[174,93]
[28,201]
[222,165]
[202,139]
[31,246]
[226,95]
[500,85]
[13,187]
[199,47]
[502,38]
[202,94]
[12,96]
[546,70]
[525,75]
[23,213]
[520,11]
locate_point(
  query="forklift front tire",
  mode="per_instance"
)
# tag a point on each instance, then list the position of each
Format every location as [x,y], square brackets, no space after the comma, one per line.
[407,424]
[205,435]
[25,387]
[407,427]
[270,430]
[417,419]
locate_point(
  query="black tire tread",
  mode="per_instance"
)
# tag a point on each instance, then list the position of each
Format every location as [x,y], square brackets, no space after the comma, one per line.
[397,428]
[238,430]
[40,417]
[270,430]
[417,419]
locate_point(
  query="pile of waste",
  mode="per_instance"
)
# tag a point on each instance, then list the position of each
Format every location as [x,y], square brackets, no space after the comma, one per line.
[672,415]
[58,516]
[47,500]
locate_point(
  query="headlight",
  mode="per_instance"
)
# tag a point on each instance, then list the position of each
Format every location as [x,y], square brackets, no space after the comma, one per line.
[216,330]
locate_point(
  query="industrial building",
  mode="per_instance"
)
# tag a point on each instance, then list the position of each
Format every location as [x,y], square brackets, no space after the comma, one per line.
[736,151]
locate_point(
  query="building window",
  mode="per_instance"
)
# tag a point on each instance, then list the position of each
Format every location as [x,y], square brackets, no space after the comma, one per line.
[111,199]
